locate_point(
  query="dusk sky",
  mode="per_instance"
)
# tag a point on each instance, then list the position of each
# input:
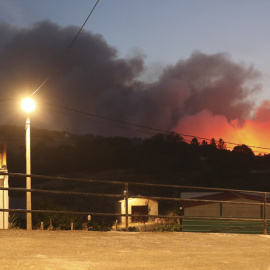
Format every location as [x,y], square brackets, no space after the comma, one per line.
[164,31]
[157,40]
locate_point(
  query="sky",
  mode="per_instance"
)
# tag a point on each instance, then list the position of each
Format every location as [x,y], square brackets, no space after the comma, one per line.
[157,42]
[164,31]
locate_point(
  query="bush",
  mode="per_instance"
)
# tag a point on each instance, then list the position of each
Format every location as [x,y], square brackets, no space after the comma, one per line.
[13,221]
[163,225]
[100,225]
[59,221]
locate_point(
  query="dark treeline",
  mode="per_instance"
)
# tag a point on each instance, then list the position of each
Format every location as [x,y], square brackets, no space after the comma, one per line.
[163,158]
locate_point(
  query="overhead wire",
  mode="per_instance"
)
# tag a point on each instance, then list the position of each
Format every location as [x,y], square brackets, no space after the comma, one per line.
[107,118]
[122,127]
[148,127]
[61,59]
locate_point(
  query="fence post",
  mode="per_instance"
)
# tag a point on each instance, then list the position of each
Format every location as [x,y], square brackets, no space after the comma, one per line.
[42,225]
[126,204]
[264,214]
[72,226]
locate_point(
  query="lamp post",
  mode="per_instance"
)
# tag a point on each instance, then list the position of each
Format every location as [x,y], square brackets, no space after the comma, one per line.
[28,105]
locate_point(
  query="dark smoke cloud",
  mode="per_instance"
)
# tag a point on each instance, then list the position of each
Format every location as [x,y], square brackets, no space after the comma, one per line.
[216,84]
[94,79]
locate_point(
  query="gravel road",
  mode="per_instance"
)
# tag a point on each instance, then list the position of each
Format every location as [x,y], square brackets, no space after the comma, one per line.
[22,249]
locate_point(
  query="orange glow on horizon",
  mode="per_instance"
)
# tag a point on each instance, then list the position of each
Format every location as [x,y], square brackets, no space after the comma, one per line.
[255,132]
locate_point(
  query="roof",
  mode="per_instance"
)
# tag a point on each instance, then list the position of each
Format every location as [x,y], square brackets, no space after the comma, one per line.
[222,196]
[131,198]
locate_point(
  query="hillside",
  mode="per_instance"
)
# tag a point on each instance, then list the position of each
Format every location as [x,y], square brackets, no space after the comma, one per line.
[163,158]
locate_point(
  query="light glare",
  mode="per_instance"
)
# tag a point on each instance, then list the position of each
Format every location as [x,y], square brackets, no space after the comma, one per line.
[28,105]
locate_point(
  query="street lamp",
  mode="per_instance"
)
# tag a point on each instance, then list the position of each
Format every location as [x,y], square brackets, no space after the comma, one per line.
[28,105]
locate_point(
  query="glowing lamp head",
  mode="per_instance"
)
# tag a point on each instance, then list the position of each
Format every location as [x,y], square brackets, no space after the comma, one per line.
[28,105]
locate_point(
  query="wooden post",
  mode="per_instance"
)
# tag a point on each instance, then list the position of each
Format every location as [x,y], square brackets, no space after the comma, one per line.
[51,225]
[220,209]
[264,214]
[72,226]
[42,225]
[126,204]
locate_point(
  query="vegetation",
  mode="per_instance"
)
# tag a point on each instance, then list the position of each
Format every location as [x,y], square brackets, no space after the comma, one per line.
[168,227]
[162,158]
[100,224]
[13,221]
[55,221]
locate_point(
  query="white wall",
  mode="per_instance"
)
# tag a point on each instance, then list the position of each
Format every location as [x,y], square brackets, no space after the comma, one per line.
[210,210]
[228,209]
[152,207]
[4,202]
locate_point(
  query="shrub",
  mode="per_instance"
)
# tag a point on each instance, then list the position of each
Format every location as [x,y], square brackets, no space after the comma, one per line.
[55,220]
[163,225]
[99,225]
[13,221]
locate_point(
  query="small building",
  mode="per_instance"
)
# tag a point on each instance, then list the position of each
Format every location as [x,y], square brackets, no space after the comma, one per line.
[4,197]
[219,209]
[137,207]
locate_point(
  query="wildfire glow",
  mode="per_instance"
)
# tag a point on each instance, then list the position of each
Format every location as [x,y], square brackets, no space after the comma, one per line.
[253,132]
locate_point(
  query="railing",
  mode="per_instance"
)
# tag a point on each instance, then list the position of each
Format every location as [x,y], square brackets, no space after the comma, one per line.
[125,194]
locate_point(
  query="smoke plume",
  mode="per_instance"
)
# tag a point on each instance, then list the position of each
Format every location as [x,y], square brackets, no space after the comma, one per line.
[205,95]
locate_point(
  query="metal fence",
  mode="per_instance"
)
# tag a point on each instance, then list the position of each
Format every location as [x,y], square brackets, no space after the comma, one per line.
[135,187]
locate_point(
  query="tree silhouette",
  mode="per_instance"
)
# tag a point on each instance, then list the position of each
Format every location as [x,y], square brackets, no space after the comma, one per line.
[221,145]
[195,142]
[244,149]
[204,143]
[213,143]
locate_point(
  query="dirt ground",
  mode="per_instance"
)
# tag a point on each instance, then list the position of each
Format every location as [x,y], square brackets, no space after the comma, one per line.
[22,249]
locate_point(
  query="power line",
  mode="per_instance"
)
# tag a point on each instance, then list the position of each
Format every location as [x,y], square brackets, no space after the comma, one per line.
[147,127]
[123,127]
[66,52]
[106,118]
